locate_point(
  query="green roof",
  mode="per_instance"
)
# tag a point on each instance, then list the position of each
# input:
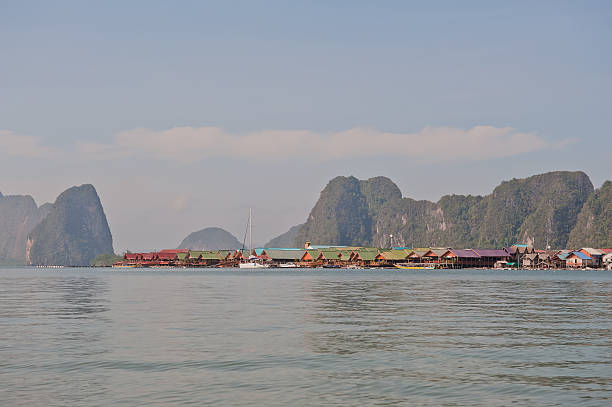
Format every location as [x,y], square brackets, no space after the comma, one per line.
[182,256]
[224,253]
[330,254]
[418,252]
[276,254]
[314,253]
[346,255]
[367,255]
[211,255]
[194,254]
[395,254]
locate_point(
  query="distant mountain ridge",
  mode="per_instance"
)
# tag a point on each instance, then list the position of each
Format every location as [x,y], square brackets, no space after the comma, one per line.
[211,238]
[18,216]
[542,210]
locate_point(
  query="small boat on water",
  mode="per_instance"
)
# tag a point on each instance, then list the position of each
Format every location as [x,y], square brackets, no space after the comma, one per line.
[252,265]
[406,267]
[288,265]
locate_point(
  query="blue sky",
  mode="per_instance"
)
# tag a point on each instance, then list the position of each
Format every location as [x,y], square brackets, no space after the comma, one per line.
[167,107]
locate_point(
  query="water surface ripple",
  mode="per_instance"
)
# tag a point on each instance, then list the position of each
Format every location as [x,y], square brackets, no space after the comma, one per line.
[91,337]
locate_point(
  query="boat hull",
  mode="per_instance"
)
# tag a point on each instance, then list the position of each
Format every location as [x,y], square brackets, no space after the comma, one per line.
[252,265]
[414,267]
[288,265]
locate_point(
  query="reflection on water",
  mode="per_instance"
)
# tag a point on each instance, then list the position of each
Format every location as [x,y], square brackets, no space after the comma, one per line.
[85,337]
[48,328]
[356,316]
[505,337]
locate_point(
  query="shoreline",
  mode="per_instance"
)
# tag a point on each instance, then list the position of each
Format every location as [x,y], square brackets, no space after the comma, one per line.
[299,269]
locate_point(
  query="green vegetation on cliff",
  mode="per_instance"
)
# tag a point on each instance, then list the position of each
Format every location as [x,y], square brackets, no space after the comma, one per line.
[594,225]
[105,260]
[541,210]
[378,191]
[74,232]
[340,216]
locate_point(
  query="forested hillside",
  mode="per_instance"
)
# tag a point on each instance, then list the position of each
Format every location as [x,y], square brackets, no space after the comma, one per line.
[541,210]
[594,225]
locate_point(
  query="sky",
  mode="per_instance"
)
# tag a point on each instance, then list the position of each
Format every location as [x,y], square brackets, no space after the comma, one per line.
[185,114]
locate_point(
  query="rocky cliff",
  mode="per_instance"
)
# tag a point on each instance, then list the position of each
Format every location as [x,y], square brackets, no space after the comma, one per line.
[18,216]
[594,225]
[346,211]
[73,233]
[542,210]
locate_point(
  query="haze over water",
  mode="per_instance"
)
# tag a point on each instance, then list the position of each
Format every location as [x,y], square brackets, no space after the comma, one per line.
[92,337]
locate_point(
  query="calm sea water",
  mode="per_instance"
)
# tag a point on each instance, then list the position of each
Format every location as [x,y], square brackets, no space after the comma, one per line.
[94,337]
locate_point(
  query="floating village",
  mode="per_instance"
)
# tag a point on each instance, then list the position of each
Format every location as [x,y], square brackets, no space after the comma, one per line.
[518,256]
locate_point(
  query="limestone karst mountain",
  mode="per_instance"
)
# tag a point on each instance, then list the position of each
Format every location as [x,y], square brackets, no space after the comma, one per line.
[73,233]
[594,225]
[19,214]
[542,210]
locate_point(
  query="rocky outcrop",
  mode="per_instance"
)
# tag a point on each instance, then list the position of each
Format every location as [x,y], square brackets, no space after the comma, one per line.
[541,210]
[210,239]
[73,233]
[18,216]
[594,225]
[341,215]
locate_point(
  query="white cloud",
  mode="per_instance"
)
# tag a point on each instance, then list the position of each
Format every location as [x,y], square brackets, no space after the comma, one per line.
[22,145]
[441,143]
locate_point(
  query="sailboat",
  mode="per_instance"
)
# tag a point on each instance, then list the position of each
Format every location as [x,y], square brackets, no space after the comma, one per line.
[253,262]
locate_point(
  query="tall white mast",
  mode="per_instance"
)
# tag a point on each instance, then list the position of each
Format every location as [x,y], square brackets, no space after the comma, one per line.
[250,229]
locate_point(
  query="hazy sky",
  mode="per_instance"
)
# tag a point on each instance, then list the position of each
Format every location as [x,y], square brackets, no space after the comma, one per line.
[185,114]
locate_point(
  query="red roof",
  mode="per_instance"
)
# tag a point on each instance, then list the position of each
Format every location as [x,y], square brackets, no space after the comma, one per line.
[606,250]
[175,251]
[132,256]
[166,256]
[148,256]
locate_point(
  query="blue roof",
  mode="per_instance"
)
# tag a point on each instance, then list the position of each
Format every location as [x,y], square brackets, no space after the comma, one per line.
[325,246]
[521,245]
[582,256]
[282,248]
[260,250]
